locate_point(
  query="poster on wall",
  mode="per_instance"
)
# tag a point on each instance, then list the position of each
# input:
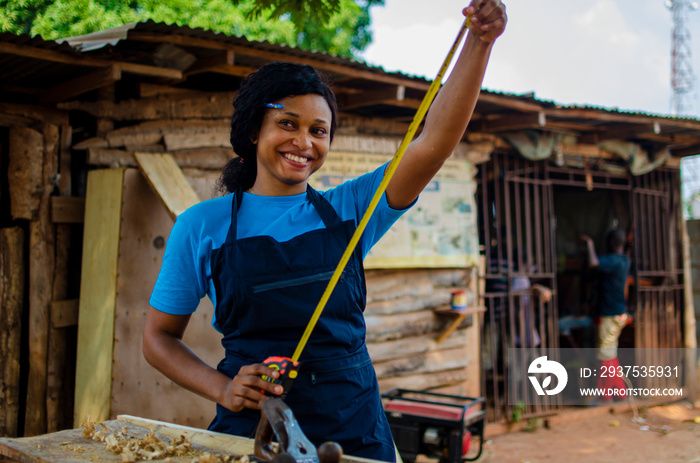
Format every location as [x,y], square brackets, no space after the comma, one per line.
[438,231]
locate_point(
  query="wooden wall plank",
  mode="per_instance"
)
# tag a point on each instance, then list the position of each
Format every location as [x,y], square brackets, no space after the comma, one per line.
[98,295]
[26,154]
[65,313]
[66,209]
[425,381]
[416,345]
[168,181]
[138,388]
[389,327]
[201,158]
[82,84]
[180,141]
[41,269]
[37,113]
[12,271]
[208,105]
[429,362]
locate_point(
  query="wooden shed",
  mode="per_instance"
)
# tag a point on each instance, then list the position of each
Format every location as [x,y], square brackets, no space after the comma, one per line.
[83,226]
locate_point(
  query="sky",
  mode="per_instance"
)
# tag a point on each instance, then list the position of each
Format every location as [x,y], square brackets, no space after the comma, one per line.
[614,54]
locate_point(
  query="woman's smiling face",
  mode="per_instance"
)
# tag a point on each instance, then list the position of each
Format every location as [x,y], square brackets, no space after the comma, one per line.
[292,144]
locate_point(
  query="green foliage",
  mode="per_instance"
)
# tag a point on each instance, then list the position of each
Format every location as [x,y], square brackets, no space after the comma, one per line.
[340,27]
[517,413]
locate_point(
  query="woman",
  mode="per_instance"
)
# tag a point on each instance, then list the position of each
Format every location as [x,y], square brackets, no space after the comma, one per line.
[264,254]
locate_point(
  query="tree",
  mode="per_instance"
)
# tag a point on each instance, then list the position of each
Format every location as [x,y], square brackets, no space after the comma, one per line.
[340,27]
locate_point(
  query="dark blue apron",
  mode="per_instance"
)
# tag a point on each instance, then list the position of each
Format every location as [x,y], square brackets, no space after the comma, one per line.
[266,292]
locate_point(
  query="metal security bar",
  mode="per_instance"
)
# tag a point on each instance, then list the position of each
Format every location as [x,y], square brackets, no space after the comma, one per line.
[517,233]
[658,270]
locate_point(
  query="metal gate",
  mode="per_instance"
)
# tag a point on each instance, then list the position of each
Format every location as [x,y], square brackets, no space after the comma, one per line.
[658,271]
[517,233]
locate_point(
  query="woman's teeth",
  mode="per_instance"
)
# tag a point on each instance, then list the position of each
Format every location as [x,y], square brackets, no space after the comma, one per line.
[295,158]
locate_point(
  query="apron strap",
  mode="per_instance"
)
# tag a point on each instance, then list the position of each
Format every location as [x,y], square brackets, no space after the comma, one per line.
[323,208]
[235,205]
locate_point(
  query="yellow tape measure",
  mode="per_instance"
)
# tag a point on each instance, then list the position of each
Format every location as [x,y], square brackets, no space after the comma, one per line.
[388,174]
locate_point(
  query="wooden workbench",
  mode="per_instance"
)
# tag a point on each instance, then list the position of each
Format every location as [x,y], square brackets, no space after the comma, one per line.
[71,446]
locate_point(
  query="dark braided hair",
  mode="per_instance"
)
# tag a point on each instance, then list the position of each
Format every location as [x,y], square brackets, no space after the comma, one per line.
[268,84]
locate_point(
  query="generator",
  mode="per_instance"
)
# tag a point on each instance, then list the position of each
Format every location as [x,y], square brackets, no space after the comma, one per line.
[441,426]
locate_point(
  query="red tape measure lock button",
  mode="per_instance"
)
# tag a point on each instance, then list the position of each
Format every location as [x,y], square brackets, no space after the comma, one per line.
[288,372]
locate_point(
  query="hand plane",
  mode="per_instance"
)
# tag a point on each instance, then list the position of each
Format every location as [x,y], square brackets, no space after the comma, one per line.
[277,419]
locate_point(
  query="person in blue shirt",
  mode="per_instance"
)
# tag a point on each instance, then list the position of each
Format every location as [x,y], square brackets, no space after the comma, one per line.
[264,253]
[611,306]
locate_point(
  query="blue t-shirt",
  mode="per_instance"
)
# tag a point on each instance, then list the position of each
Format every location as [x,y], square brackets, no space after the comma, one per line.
[613,270]
[185,275]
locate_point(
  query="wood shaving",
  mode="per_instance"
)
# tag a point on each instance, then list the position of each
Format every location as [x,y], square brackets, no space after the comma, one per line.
[134,449]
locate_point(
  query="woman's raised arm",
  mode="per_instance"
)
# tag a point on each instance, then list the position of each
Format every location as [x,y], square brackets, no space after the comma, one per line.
[452,109]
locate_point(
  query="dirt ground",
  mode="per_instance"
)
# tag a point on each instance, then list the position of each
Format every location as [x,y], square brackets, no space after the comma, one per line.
[668,433]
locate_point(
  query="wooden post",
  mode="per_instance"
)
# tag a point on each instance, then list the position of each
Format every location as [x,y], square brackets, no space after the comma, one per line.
[473,348]
[61,369]
[41,269]
[24,172]
[689,334]
[11,305]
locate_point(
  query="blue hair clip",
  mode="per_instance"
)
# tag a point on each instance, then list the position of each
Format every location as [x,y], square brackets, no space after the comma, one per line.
[275,106]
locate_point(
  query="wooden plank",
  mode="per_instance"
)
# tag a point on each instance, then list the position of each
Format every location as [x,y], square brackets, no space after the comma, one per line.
[65,313]
[472,348]
[60,370]
[377,76]
[409,303]
[24,172]
[98,294]
[429,362]
[37,113]
[147,90]
[389,96]
[81,60]
[385,328]
[415,345]
[41,270]
[72,446]
[200,158]
[136,385]
[207,105]
[206,64]
[147,138]
[82,84]
[508,123]
[7,120]
[93,142]
[65,161]
[12,284]
[168,181]
[218,442]
[61,364]
[180,141]
[150,132]
[110,157]
[451,327]
[225,443]
[162,126]
[425,381]
[67,209]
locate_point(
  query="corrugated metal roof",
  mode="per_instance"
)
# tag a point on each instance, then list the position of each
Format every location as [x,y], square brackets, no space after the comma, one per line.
[30,75]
